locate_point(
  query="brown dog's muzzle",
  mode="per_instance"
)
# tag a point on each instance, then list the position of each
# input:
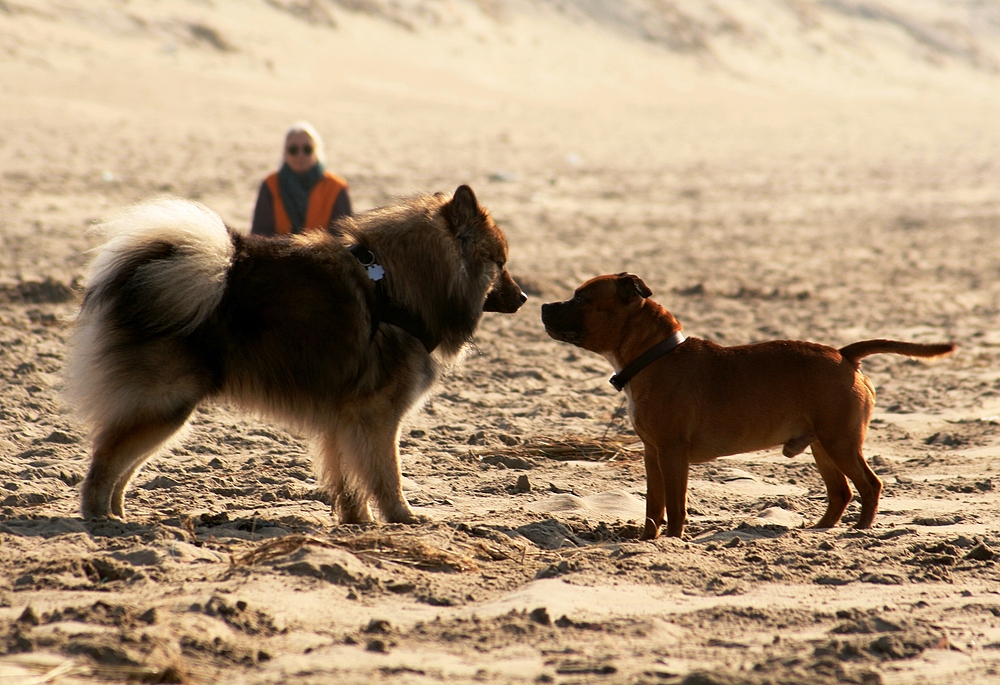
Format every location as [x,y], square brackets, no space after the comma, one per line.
[561,322]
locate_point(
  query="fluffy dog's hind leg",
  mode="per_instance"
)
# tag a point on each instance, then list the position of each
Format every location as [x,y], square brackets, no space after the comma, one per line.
[119,450]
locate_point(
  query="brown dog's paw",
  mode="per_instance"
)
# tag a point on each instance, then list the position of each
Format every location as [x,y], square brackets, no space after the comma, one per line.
[650,530]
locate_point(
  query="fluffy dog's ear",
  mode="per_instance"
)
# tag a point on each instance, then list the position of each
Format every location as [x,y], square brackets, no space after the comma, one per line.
[629,285]
[463,211]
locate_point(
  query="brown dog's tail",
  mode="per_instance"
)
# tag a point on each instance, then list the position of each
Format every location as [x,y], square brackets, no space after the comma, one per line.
[855,352]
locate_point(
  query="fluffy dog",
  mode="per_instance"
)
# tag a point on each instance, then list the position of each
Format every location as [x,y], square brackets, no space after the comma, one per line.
[692,401]
[338,336]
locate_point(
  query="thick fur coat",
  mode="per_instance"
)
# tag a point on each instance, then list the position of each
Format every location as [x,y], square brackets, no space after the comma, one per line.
[179,309]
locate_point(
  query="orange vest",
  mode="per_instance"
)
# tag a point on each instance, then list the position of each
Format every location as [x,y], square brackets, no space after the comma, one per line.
[320,207]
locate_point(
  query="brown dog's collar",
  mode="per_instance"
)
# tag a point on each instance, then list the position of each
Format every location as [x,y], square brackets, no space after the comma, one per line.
[620,379]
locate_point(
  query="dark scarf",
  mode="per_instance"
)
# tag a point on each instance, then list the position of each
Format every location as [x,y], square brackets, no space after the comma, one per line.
[295,189]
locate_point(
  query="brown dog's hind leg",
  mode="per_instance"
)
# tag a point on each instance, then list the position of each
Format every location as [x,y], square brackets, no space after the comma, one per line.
[850,460]
[838,492]
[870,499]
[655,493]
[119,450]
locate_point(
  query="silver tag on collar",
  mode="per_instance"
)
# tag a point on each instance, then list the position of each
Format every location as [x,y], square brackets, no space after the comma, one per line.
[375,272]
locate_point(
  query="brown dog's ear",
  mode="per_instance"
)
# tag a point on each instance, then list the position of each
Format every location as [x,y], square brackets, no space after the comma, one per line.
[463,211]
[630,285]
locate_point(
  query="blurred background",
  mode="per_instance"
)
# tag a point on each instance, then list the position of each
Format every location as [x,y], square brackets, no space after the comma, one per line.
[693,141]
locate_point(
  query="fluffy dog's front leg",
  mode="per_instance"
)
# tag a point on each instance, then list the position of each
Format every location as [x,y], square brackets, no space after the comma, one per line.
[348,501]
[375,462]
[386,480]
[351,504]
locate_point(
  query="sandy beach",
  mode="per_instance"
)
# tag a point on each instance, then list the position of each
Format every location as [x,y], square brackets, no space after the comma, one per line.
[824,170]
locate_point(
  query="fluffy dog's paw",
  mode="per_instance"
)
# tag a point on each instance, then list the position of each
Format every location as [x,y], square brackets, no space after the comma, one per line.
[409,517]
[100,514]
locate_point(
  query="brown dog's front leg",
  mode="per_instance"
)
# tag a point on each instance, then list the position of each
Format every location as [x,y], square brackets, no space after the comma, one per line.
[655,506]
[674,467]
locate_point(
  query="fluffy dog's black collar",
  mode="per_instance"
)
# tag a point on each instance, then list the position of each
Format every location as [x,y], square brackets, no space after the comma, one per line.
[620,379]
[387,311]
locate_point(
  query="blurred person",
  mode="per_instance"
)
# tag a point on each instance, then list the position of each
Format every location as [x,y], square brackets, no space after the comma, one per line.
[302,195]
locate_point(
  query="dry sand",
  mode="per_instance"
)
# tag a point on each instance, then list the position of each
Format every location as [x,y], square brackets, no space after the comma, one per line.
[786,169]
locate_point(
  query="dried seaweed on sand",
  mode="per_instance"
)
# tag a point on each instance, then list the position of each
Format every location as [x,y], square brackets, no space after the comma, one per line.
[412,550]
[571,448]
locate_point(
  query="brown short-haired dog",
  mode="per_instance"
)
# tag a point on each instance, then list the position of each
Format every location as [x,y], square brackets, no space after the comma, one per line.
[692,400]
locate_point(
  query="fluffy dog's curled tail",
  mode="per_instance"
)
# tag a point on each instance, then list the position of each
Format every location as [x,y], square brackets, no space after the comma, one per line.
[161,273]
[171,254]
[856,351]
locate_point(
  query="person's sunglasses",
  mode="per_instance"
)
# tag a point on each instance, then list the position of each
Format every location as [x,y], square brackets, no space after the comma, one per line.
[293,150]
